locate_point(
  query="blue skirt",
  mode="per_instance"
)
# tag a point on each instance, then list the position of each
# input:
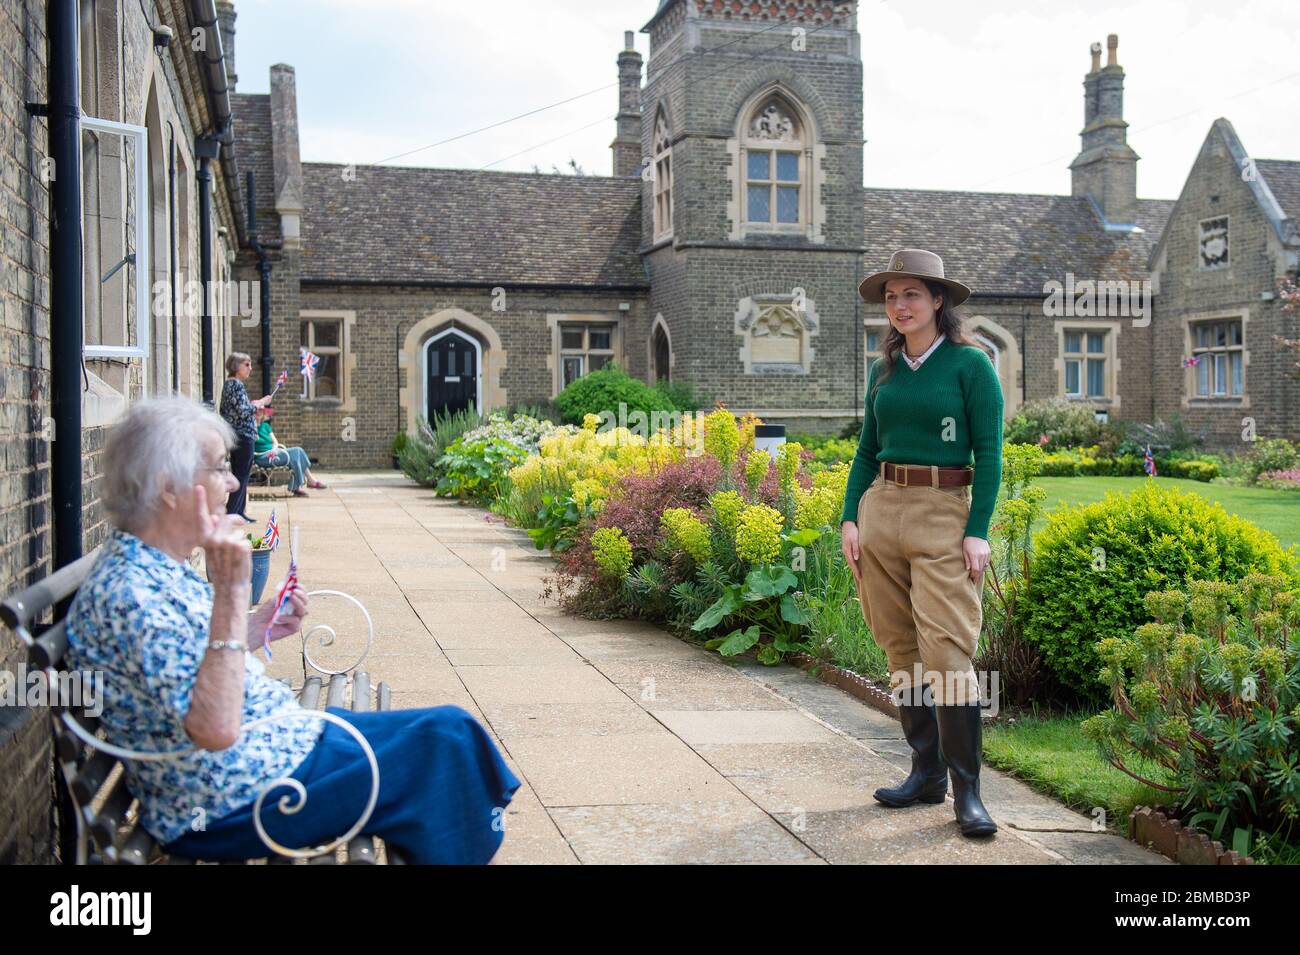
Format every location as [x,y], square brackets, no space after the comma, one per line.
[443,789]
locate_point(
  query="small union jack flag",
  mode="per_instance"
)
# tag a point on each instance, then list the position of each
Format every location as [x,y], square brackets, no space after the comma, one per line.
[282,597]
[307,365]
[271,536]
[1148,462]
[1189,362]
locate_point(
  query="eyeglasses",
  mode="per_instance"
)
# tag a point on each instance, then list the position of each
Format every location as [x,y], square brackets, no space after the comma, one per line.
[224,468]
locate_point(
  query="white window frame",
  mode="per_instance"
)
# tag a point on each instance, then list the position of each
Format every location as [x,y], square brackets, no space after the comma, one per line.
[143,313]
[1213,352]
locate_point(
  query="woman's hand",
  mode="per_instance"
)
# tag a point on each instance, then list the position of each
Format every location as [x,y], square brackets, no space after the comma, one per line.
[976,551]
[290,621]
[849,545]
[262,402]
[226,550]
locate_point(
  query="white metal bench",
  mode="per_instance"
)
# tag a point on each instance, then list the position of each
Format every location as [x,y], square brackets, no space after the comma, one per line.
[106,814]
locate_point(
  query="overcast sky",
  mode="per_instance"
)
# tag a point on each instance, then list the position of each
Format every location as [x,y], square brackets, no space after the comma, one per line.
[957,94]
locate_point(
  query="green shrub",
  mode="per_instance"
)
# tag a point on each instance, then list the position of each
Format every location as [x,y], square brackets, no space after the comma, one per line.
[418,459]
[607,389]
[681,394]
[1210,692]
[479,469]
[1093,564]
[1067,424]
[1276,454]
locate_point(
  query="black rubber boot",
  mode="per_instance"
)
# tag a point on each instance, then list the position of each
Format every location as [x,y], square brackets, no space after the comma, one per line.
[960,736]
[928,781]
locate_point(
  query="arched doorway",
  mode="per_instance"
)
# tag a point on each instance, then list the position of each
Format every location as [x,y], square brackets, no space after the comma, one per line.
[661,354]
[1004,352]
[452,379]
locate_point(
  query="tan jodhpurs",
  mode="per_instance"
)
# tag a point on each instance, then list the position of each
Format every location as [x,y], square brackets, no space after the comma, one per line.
[916,593]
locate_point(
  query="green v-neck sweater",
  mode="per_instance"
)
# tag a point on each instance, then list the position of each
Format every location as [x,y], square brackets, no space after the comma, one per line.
[943,413]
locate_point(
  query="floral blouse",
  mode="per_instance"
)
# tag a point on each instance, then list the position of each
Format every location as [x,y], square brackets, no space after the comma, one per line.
[236,408]
[142,618]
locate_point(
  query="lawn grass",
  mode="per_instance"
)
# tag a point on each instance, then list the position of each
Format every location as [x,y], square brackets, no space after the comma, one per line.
[1277,512]
[1052,755]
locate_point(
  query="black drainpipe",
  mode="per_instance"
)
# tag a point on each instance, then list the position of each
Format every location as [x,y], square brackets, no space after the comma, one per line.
[64,117]
[171,245]
[264,272]
[206,148]
[857,336]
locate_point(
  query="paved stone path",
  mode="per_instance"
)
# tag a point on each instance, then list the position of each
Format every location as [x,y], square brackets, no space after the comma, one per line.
[633,745]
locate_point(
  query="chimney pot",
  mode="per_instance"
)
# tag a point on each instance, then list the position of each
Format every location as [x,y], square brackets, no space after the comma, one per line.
[1096,56]
[1112,45]
[627,40]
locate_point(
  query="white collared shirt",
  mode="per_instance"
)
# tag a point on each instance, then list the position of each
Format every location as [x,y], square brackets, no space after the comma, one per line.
[915,363]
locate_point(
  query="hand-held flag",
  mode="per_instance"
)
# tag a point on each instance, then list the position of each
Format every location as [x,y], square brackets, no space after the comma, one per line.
[282,597]
[271,536]
[1148,462]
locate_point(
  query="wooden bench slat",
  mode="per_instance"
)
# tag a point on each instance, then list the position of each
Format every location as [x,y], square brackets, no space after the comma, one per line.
[310,695]
[91,776]
[49,647]
[338,690]
[105,824]
[136,848]
[24,607]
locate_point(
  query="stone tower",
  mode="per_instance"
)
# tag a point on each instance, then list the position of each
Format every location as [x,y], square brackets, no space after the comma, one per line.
[752,204]
[1106,167]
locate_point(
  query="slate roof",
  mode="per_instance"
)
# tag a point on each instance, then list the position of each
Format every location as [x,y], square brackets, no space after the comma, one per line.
[252,113]
[1283,179]
[1003,243]
[396,224]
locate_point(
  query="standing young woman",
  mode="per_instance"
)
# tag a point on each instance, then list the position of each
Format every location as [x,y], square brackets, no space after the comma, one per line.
[917,537]
[238,412]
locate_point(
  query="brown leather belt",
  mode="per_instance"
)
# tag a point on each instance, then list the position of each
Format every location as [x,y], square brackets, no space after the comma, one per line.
[926,475]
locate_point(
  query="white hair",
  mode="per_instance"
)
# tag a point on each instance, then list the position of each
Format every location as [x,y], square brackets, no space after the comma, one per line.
[156,447]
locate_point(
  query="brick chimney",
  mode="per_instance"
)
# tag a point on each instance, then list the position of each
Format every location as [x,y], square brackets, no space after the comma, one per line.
[627,142]
[1106,167]
[226,23]
[286,162]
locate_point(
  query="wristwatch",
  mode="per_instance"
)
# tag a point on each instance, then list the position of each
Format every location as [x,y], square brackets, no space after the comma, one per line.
[227,645]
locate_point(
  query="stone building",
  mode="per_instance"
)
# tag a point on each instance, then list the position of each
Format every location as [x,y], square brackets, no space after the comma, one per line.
[159,196]
[726,249]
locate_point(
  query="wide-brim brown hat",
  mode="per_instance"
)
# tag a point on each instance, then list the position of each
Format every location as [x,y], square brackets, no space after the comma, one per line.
[912,264]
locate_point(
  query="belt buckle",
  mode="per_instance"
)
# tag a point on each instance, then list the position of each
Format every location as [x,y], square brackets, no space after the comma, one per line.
[897,471]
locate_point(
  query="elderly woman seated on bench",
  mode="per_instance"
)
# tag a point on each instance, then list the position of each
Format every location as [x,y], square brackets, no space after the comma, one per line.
[176,654]
[268,452]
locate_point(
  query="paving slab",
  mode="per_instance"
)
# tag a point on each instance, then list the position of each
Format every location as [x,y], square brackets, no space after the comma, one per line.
[631,745]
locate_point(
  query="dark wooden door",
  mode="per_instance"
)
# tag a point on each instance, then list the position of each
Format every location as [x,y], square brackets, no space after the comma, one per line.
[452,370]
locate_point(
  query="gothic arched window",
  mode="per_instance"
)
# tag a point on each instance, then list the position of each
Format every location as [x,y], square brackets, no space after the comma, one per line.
[774,160]
[663,178]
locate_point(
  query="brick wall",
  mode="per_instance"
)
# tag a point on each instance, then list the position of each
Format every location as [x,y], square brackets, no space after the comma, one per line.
[25,766]
[1272,396]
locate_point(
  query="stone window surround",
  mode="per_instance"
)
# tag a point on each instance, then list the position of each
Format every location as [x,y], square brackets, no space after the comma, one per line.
[347,318]
[813,155]
[424,363]
[1189,398]
[1226,266]
[809,324]
[658,186]
[1111,399]
[553,322]
[409,361]
[659,322]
